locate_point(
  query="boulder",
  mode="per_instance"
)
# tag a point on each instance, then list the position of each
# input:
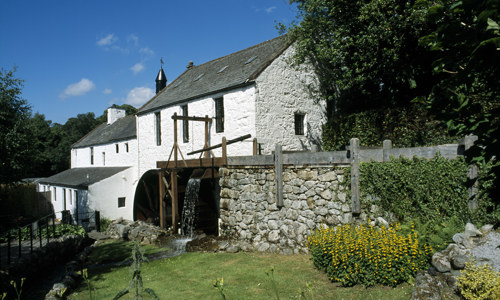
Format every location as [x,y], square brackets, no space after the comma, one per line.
[441,262]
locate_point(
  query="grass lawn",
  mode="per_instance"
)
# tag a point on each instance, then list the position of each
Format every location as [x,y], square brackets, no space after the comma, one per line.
[191,276]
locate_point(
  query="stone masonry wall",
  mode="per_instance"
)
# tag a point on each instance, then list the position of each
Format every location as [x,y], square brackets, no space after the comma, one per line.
[312,196]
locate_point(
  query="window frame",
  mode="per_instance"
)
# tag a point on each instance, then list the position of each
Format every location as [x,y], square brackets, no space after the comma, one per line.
[122,202]
[158,127]
[219,114]
[299,123]
[185,124]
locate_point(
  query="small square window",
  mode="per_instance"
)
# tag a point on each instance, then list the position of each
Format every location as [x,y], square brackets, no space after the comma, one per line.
[299,124]
[121,201]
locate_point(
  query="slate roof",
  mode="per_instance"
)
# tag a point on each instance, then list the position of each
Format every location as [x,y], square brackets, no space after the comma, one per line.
[81,177]
[122,129]
[228,72]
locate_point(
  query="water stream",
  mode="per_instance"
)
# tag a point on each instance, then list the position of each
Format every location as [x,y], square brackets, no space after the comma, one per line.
[188,211]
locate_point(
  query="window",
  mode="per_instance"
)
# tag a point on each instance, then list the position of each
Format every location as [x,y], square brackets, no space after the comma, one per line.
[64,198]
[104,158]
[121,201]
[158,128]
[299,124]
[117,148]
[91,155]
[55,194]
[185,124]
[70,198]
[126,147]
[219,115]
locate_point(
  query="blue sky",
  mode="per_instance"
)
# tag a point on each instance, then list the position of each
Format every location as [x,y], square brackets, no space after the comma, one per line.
[78,56]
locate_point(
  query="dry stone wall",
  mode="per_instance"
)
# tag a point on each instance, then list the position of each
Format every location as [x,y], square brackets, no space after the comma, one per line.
[312,196]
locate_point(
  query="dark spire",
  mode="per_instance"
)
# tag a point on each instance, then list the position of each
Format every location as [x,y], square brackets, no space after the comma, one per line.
[161,79]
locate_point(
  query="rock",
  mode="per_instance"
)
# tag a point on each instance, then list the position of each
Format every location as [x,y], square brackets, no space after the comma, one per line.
[382,222]
[441,262]
[428,287]
[486,228]
[458,238]
[458,261]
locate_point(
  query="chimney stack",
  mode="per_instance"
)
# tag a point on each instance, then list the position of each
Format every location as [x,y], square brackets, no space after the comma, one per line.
[115,113]
[190,64]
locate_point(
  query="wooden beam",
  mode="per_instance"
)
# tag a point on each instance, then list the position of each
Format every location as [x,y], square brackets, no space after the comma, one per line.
[187,118]
[193,163]
[238,139]
[175,200]
[161,195]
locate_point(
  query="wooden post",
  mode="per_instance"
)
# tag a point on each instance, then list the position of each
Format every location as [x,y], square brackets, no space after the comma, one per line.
[472,173]
[278,173]
[175,139]
[255,146]
[386,145]
[207,153]
[175,200]
[161,186]
[224,149]
[354,148]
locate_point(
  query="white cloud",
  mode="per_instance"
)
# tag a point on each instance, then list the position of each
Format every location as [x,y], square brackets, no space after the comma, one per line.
[132,38]
[138,67]
[270,9]
[77,89]
[146,51]
[107,40]
[139,95]
[107,91]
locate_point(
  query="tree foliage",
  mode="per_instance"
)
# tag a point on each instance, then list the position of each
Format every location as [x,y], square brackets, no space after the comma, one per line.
[15,150]
[466,43]
[366,53]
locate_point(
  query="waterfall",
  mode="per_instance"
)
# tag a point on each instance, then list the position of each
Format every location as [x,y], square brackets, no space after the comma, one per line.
[188,211]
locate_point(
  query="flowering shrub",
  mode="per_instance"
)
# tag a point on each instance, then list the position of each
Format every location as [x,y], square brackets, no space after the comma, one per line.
[368,255]
[479,282]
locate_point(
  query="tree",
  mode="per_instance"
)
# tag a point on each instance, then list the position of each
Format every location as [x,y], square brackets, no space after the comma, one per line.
[366,53]
[466,43]
[15,146]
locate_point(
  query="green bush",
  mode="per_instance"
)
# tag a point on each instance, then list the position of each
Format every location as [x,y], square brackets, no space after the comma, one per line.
[479,282]
[405,126]
[367,255]
[60,230]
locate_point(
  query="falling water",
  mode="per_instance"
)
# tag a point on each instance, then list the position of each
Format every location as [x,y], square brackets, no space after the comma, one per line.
[188,211]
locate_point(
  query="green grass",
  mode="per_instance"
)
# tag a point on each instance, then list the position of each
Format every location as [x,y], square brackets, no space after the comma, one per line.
[191,276]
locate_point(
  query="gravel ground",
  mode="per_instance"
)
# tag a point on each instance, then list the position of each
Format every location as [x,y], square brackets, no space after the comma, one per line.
[489,250]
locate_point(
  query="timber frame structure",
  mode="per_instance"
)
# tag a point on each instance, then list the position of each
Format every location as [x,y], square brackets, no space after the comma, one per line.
[171,168]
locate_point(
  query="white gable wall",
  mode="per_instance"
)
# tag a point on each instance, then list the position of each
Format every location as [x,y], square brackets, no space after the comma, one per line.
[80,157]
[66,198]
[103,195]
[239,119]
[283,91]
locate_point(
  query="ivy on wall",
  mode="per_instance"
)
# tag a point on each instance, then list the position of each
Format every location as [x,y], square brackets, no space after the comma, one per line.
[406,127]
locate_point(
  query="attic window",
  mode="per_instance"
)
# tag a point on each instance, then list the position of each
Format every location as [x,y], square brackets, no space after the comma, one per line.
[250,60]
[222,70]
[178,83]
[199,76]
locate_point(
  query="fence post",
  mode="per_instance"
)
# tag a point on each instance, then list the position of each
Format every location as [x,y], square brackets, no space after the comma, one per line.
[278,172]
[98,221]
[356,204]
[386,145]
[472,173]
[20,237]
[8,247]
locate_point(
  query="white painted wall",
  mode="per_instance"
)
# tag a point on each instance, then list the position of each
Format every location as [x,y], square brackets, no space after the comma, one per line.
[80,157]
[60,202]
[282,91]
[239,113]
[103,196]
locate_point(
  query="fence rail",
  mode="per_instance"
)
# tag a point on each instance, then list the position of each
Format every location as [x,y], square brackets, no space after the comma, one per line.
[24,240]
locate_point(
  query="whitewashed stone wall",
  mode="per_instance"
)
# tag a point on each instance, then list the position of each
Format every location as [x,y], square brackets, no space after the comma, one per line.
[103,196]
[283,91]
[249,214]
[80,157]
[239,115]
